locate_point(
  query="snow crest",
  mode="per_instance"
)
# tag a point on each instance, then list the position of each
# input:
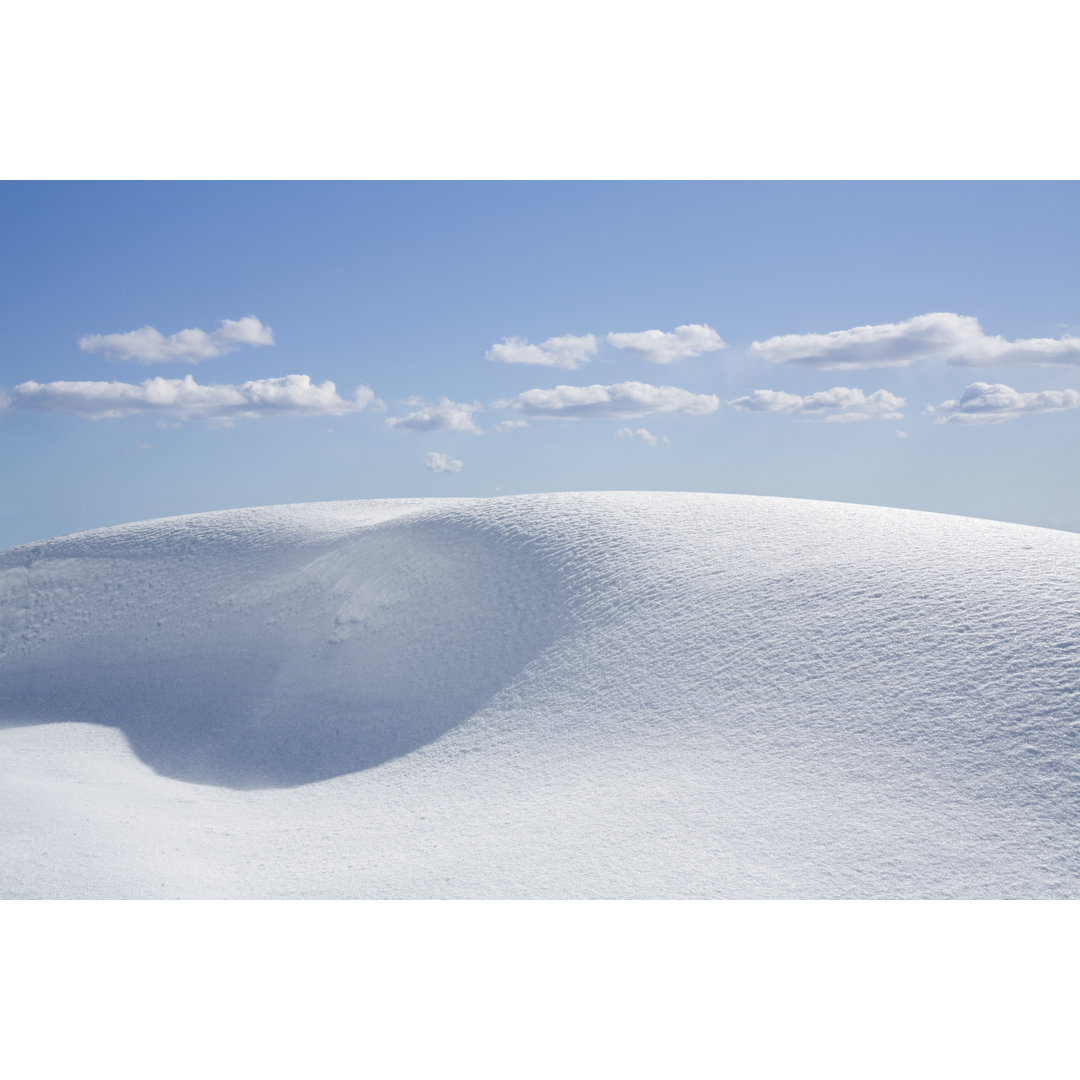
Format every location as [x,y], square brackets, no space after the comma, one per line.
[593,694]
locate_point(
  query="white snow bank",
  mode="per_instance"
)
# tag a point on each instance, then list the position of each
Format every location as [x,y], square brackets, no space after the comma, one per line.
[599,694]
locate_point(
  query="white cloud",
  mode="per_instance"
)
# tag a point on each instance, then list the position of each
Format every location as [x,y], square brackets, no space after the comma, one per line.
[567,351]
[509,425]
[447,415]
[150,346]
[992,403]
[841,404]
[659,347]
[641,433]
[293,395]
[437,462]
[619,401]
[901,434]
[941,336]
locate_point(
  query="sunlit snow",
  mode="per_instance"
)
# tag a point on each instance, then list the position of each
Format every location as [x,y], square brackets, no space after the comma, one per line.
[578,695]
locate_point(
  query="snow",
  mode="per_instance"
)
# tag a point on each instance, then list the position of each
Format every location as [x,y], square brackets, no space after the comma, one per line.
[616,695]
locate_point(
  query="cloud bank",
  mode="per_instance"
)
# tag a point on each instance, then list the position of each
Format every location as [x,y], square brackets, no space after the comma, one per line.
[641,433]
[447,415]
[619,401]
[186,399]
[941,336]
[438,462]
[993,403]
[567,351]
[659,347]
[841,404]
[150,346]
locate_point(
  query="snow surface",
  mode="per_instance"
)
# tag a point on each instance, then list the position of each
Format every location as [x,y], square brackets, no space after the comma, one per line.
[578,695]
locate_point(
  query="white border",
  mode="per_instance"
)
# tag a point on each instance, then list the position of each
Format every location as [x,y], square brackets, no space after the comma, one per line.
[572,89]
[539,989]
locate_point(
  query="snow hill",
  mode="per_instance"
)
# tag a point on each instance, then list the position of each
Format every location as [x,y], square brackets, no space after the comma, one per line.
[579,695]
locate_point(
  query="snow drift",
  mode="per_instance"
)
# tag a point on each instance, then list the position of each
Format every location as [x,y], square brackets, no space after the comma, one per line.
[597,694]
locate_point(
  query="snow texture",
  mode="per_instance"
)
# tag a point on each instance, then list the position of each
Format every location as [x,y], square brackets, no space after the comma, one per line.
[580,695]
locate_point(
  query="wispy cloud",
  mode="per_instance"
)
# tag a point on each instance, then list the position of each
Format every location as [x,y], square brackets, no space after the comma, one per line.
[150,346]
[447,415]
[641,433]
[841,404]
[186,399]
[941,336]
[438,462]
[510,425]
[619,401]
[992,403]
[567,351]
[660,347]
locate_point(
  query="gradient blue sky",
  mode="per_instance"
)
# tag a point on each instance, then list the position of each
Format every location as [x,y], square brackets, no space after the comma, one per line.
[405,287]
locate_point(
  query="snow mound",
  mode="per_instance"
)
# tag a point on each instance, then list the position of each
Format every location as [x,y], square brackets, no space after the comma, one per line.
[595,694]
[271,649]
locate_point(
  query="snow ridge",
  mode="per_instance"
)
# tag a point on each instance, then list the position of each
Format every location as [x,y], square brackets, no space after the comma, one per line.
[587,694]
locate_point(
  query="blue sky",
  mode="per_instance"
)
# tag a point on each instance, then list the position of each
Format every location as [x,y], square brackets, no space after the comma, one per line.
[412,291]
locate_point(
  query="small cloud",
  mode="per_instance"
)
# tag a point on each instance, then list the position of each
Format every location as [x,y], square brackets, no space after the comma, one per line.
[185,399]
[994,403]
[659,347]
[150,346]
[941,336]
[901,434]
[437,462]
[641,433]
[567,351]
[619,401]
[509,425]
[841,404]
[447,415]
